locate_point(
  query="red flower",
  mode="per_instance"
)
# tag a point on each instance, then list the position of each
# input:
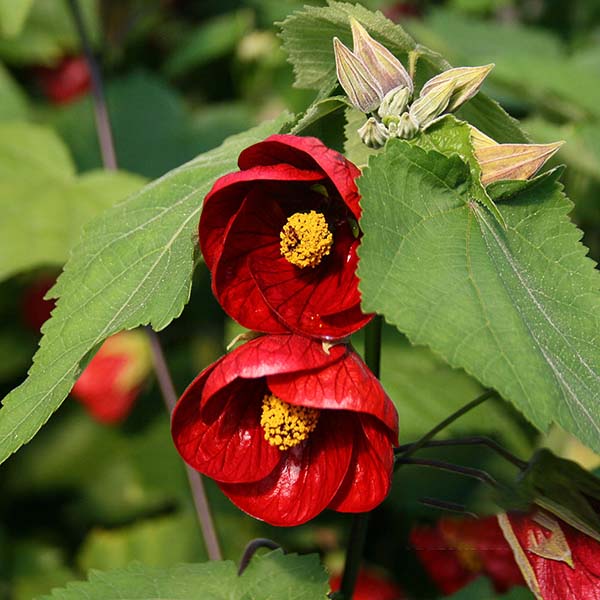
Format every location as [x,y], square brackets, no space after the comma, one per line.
[280,239]
[67,81]
[370,585]
[110,384]
[287,429]
[557,560]
[458,550]
[36,310]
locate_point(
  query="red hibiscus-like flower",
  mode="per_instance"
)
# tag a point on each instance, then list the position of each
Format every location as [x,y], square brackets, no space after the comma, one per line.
[557,561]
[280,239]
[456,551]
[370,585]
[288,429]
[67,81]
[110,384]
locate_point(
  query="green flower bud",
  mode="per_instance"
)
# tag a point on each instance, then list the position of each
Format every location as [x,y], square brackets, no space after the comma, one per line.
[394,103]
[405,127]
[387,70]
[362,89]
[373,133]
[431,104]
[467,81]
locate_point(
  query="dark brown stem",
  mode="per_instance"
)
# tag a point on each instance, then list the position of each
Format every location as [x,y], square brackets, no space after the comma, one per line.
[251,549]
[165,382]
[446,505]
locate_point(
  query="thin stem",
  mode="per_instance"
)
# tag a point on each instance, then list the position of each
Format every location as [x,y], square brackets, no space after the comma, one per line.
[469,441]
[251,548]
[103,128]
[446,505]
[360,523]
[109,159]
[452,468]
[447,421]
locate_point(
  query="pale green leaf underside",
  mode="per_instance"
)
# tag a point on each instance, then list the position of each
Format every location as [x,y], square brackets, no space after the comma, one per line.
[269,577]
[519,309]
[132,267]
[308,40]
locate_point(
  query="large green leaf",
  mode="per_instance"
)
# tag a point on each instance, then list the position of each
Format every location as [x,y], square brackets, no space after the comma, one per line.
[274,575]
[43,203]
[518,308]
[132,267]
[13,14]
[307,38]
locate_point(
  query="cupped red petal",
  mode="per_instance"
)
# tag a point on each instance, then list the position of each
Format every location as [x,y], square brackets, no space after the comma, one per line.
[305,481]
[228,192]
[369,477]
[346,384]
[270,354]
[224,440]
[306,153]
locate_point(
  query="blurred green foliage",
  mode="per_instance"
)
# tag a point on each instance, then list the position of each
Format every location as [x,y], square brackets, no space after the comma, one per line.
[180,77]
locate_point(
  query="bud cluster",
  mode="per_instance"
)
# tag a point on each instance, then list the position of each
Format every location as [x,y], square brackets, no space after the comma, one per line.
[378,85]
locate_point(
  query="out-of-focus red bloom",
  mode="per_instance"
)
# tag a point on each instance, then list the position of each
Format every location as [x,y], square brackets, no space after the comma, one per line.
[370,585]
[558,561]
[110,384]
[36,310]
[400,11]
[67,81]
[456,551]
[280,239]
[287,429]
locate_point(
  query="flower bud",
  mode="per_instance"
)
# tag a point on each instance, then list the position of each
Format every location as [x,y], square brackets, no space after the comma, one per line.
[405,127]
[373,133]
[467,81]
[480,140]
[387,70]
[394,103]
[363,91]
[512,161]
[431,104]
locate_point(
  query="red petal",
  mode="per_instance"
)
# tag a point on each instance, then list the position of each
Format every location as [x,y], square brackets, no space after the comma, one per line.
[369,477]
[306,153]
[556,579]
[271,354]
[346,384]
[225,441]
[226,196]
[306,479]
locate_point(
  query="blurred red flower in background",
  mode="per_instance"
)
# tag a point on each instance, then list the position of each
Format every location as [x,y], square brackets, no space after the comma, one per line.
[35,310]
[112,381]
[370,585]
[280,237]
[287,429]
[456,551]
[67,81]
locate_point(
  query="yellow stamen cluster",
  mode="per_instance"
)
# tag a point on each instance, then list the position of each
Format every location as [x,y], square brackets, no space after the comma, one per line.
[305,239]
[286,425]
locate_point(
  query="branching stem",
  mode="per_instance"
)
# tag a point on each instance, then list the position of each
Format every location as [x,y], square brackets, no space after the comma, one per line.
[109,159]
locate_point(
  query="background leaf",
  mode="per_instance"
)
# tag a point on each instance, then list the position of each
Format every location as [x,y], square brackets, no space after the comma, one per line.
[273,575]
[133,267]
[13,14]
[518,309]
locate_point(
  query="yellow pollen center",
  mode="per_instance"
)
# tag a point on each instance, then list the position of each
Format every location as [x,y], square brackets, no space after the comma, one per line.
[305,239]
[286,425]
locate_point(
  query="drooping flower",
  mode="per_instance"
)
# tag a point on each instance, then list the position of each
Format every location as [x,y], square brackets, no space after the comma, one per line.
[280,238]
[557,561]
[112,381]
[456,551]
[287,429]
[67,81]
[370,585]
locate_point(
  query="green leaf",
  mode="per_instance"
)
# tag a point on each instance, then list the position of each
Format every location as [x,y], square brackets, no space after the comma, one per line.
[132,267]
[354,148]
[13,14]
[517,308]
[273,575]
[448,136]
[13,101]
[307,38]
[43,203]
[482,589]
